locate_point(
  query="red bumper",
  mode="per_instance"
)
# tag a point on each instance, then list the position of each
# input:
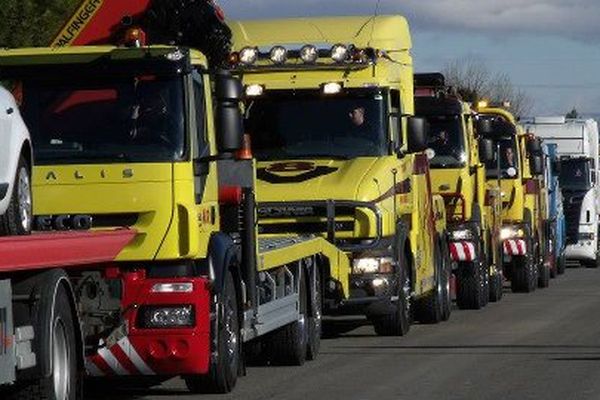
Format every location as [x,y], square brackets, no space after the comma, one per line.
[165,351]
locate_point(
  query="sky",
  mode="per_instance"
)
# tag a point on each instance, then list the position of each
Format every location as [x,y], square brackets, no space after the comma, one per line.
[549,48]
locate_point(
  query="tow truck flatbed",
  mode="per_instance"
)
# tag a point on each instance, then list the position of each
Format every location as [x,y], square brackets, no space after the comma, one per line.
[62,249]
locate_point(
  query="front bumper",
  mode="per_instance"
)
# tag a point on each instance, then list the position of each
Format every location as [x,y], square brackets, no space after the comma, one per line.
[370,295]
[582,251]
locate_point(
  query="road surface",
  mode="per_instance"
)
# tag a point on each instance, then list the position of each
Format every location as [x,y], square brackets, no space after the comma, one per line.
[544,345]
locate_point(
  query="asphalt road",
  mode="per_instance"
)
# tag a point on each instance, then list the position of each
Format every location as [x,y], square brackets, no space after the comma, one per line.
[544,345]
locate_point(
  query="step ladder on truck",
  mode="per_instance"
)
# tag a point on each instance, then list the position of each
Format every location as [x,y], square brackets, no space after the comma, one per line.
[161,273]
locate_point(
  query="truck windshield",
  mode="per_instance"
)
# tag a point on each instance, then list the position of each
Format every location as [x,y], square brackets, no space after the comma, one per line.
[575,174]
[447,141]
[507,151]
[306,124]
[124,119]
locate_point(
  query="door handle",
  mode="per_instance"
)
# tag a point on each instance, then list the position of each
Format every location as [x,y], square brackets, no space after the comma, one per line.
[10,110]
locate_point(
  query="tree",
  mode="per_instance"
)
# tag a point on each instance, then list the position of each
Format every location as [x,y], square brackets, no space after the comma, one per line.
[32,22]
[474,81]
[573,114]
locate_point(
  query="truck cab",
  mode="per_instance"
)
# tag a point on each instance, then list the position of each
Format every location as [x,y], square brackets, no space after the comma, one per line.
[516,170]
[328,111]
[458,174]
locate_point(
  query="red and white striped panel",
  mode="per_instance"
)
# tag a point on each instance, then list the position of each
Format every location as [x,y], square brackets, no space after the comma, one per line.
[120,359]
[515,247]
[462,251]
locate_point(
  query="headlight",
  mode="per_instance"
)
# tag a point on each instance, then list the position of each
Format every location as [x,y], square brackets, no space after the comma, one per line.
[166,317]
[373,265]
[248,55]
[309,54]
[461,234]
[254,90]
[331,88]
[509,232]
[339,53]
[278,55]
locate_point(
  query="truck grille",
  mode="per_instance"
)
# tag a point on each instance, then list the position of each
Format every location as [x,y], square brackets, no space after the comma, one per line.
[572,210]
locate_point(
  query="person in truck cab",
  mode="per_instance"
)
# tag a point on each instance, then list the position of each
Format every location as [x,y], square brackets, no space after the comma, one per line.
[357,116]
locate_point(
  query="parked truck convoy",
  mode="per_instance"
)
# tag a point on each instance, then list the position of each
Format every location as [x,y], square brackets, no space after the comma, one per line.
[329,105]
[459,176]
[577,144]
[165,249]
[139,154]
[517,170]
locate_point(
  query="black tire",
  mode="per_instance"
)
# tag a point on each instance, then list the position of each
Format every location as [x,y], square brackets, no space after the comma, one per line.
[224,370]
[469,286]
[18,217]
[543,276]
[288,345]
[524,274]
[62,345]
[496,287]
[398,322]
[430,308]
[315,318]
[554,268]
[561,264]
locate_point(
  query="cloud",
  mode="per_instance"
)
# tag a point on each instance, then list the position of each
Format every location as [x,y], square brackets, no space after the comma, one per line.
[575,19]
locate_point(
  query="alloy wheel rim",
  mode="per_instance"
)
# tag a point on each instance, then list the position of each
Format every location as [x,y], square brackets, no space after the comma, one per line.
[24,199]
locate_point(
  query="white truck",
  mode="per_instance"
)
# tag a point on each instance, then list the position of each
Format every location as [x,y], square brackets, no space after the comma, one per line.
[577,142]
[15,169]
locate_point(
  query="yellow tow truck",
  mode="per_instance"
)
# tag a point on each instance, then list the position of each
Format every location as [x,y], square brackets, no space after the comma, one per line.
[329,112]
[138,149]
[517,170]
[458,157]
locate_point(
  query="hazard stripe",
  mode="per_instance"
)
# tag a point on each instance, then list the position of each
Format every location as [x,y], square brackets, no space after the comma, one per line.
[124,360]
[522,247]
[135,358]
[468,253]
[453,252]
[101,364]
[112,362]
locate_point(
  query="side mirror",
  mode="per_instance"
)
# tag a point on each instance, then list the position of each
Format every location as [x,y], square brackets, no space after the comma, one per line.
[536,163]
[486,150]
[534,146]
[228,117]
[485,127]
[417,134]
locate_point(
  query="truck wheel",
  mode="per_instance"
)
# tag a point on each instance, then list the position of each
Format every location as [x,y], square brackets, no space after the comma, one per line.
[223,372]
[288,345]
[553,269]
[469,286]
[485,283]
[63,382]
[315,322]
[431,307]
[19,215]
[496,291]
[524,274]
[543,276]
[561,264]
[398,322]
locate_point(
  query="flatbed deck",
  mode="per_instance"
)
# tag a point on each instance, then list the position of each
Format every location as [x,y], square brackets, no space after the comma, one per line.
[61,249]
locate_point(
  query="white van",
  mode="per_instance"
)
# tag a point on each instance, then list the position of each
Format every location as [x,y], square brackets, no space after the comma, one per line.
[15,169]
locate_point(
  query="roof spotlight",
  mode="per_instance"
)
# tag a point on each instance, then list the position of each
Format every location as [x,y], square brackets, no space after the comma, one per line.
[339,53]
[278,54]
[248,55]
[309,54]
